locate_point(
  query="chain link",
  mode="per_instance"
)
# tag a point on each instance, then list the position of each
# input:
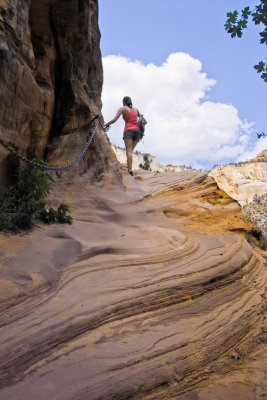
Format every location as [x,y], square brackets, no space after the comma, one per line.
[60,167]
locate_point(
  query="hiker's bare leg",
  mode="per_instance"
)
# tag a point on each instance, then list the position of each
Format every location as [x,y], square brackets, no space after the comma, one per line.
[129,148]
[134,144]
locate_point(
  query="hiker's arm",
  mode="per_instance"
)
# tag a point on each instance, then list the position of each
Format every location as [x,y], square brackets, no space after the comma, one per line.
[117,116]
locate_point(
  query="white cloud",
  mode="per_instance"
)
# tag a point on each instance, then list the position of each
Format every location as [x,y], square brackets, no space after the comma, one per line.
[183,126]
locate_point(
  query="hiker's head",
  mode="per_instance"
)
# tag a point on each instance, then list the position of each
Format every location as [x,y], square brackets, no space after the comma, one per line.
[127,101]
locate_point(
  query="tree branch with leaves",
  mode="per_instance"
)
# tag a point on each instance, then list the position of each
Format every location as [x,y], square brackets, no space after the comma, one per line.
[235,26]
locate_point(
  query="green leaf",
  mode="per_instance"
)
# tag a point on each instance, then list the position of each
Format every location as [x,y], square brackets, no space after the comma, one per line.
[228,27]
[258,17]
[263,36]
[232,16]
[260,67]
[246,12]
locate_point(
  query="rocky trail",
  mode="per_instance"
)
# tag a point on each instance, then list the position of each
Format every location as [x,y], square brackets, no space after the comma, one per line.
[152,293]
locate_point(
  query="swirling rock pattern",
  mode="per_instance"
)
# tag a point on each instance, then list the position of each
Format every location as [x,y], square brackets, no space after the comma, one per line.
[148,295]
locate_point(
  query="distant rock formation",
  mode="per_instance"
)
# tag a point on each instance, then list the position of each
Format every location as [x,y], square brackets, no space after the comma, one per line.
[50,83]
[244,180]
[138,158]
[175,168]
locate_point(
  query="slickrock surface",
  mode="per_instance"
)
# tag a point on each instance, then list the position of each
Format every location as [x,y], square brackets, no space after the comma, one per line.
[150,294]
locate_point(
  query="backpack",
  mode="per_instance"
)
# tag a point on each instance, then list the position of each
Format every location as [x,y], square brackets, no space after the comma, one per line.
[141,123]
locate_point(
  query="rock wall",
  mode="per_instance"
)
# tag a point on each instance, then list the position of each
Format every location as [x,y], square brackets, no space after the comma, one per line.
[243,181]
[50,83]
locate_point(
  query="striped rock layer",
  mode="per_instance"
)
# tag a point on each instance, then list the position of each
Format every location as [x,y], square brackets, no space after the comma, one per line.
[152,293]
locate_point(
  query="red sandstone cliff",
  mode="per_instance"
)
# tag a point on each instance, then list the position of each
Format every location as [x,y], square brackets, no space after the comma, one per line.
[50,83]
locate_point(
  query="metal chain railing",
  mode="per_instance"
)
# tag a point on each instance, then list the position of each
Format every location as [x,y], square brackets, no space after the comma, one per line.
[60,167]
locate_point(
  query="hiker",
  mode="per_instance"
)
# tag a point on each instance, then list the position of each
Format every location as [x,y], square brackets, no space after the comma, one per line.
[131,134]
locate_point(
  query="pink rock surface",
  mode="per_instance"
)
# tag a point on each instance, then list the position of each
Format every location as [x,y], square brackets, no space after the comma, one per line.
[148,295]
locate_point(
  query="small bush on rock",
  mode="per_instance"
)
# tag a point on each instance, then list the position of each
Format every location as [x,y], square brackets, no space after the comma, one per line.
[263,243]
[146,164]
[24,201]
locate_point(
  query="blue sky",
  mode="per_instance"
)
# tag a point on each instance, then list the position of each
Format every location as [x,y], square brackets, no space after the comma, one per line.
[150,31]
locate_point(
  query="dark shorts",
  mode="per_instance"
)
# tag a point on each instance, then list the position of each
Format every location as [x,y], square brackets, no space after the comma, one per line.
[132,134]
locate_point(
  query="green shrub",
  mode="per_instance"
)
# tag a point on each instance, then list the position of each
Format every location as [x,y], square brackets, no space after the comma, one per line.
[24,201]
[263,243]
[146,164]
[256,239]
[249,238]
